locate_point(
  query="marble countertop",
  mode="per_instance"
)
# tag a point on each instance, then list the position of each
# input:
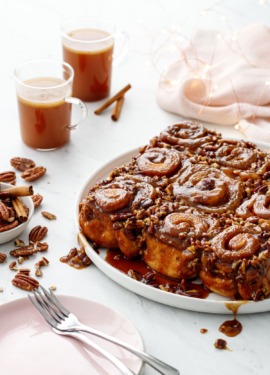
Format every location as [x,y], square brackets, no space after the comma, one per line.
[30,29]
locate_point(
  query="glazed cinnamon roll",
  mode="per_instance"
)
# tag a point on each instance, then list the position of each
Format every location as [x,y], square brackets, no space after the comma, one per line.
[187,134]
[235,156]
[237,264]
[258,205]
[108,214]
[159,162]
[208,189]
[171,247]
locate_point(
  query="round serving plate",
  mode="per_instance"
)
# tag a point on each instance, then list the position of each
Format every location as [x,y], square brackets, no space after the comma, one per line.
[214,303]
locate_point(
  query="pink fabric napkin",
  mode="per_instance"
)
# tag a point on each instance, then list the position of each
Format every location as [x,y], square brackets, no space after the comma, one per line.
[224,80]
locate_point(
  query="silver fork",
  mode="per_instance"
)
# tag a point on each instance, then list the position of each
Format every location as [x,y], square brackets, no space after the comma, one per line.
[64,321]
[50,316]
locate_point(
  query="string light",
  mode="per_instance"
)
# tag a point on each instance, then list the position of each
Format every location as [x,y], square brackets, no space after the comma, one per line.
[176,46]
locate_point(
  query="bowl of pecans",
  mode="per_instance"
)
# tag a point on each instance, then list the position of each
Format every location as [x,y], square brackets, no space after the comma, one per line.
[16,210]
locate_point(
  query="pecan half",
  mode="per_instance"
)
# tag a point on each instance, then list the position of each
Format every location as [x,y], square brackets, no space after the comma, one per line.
[8,176]
[4,211]
[37,233]
[21,164]
[33,174]
[25,282]
[48,215]
[3,257]
[37,199]
[7,226]
[24,251]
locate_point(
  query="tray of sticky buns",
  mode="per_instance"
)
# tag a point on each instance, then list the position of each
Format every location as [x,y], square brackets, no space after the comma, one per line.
[194,209]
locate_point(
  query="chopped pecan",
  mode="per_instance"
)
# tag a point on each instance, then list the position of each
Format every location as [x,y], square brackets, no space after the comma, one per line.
[38,272]
[13,266]
[24,251]
[3,257]
[220,344]
[37,199]
[21,164]
[4,226]
[8,177]
[41,246]
[48,215]
[42,262]
[25,282]
[37,233]
[18,242]
[33,174]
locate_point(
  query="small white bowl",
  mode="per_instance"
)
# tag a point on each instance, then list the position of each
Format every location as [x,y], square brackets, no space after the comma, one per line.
[11,234]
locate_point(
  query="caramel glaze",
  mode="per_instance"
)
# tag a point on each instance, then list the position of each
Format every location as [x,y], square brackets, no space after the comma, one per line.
[137,269]
[232,328]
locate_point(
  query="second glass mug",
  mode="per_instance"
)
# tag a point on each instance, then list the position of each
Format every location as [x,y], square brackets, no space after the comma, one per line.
[44,89]
[89,47]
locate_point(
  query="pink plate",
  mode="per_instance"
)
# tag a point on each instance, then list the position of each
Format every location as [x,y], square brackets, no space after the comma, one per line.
[28,345]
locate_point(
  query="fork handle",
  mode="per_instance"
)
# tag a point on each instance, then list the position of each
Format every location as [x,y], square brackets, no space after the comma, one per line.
[115,361]
[158,365]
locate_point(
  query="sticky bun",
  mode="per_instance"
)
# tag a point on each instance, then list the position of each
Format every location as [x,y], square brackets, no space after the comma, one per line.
[189,205]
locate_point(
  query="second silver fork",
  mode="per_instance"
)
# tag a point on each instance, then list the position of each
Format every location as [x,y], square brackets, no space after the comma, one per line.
[66,321]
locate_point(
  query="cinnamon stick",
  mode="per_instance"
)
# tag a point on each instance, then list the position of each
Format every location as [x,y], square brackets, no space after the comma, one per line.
[117,109]
[112,99]
[18,191]
[19,209]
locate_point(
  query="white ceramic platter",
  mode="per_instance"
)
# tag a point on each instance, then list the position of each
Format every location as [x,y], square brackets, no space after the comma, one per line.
[212,304]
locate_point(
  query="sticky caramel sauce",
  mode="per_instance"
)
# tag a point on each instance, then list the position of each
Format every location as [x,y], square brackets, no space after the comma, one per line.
[137,269]
[232,328]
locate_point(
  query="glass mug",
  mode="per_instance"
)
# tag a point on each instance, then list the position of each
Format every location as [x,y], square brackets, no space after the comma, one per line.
[44,89]
[88,46]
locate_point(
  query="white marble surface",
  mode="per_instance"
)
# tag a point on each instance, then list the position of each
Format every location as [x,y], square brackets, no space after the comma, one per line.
[30,29]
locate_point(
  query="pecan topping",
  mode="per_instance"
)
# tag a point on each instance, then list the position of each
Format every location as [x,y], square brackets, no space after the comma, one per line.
[8,177]
[37,199]
[33,174]
[37,233]
[3,257]
[25,282]
[48,215]
[21,164]
[24,251]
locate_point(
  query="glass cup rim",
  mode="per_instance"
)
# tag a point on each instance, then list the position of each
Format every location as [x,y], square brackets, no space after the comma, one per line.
[63,63]
[71,20]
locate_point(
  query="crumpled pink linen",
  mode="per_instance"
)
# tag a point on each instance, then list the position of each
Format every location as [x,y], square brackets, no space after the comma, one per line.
[223,80]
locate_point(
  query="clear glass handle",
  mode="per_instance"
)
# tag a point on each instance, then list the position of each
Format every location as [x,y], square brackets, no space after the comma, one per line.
[77,102]
[121,46]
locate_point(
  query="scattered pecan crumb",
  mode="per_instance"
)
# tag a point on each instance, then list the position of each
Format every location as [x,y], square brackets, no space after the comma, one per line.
[38,272]
[48,215]
[53,288]
[13,266]
[1,289]
[18,242]
[203,330]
